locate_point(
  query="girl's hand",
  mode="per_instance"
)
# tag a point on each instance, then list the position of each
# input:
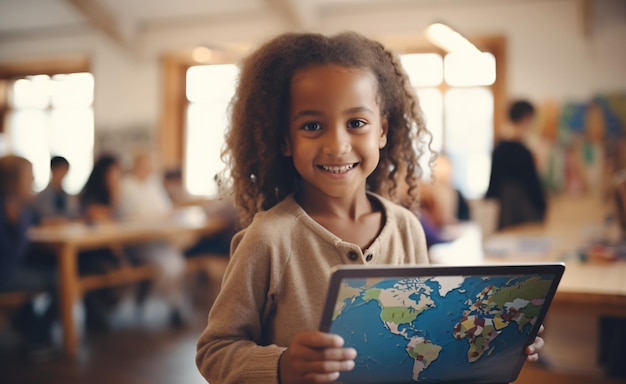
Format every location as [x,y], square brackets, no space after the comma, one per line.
[532,351]
[315,357]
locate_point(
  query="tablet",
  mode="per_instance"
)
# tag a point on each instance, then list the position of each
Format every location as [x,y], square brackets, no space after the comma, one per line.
[437,324]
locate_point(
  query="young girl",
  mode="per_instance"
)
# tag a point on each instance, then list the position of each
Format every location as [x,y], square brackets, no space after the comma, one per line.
[320,127]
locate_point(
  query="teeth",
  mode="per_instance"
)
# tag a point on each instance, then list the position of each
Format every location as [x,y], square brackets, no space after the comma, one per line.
[337,169]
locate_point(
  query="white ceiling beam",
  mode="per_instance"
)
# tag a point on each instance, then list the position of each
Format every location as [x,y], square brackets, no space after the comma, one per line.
[100,18]
[302,14]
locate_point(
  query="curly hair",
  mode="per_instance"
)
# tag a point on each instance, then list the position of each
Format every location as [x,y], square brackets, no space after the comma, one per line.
[261,175]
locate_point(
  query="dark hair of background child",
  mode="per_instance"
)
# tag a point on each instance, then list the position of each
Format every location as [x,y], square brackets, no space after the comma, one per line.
[520,109]
[58,162]
[96,189]
[261,175]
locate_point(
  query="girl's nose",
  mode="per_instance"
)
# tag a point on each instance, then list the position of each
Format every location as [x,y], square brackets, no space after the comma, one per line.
[337,142]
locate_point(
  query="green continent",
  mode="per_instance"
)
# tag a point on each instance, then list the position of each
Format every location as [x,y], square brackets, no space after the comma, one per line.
[479,343]
[398,315]
[533,288]
[531,310]
[428,351]
[371,294]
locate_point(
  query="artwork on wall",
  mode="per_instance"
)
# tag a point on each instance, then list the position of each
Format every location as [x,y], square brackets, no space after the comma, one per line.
[581,146]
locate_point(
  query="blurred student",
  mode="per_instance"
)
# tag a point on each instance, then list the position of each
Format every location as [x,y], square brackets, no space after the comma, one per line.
[428,211]
[16,273]
[144,198]
[53,204]
[514,180]
[220,208]
[99,199]
[452,203]
[99,204]
[175,188]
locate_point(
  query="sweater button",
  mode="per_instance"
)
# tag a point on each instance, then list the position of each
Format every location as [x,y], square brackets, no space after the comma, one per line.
[369,257]
[352,255]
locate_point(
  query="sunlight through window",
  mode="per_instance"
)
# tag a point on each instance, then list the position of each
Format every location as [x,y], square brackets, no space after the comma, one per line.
[424,69]
[463,69]
[52,116]
[209,91]
[469,137]
[458,108]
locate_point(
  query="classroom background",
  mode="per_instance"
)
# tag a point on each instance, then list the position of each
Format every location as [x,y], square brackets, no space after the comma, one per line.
[148,84]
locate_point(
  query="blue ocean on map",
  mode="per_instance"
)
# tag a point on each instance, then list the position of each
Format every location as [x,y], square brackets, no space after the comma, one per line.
[383,357]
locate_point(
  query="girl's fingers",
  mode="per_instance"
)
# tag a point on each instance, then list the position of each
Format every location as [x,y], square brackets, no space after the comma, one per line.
[531,350]
[532,358]
[321,377]
[317,339]
[328,354]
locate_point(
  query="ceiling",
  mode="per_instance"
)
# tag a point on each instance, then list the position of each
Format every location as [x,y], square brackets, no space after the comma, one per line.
[119,18]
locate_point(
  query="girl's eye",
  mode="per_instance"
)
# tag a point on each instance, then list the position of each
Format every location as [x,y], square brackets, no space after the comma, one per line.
[312,126]
[356,123]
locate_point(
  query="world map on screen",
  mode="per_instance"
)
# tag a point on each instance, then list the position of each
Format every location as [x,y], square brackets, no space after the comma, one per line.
[436,328]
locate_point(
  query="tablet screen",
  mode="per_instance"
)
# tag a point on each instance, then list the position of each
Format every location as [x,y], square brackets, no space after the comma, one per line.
[439,328]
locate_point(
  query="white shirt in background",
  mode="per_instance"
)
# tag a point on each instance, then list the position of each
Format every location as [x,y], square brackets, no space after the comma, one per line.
[144,199]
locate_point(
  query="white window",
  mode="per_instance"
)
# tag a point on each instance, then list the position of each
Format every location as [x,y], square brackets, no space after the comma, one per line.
[457,103]
[454,95]
[52,116]
[209,91]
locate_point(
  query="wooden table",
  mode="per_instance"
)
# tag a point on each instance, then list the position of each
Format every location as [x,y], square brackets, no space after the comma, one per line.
[68,240]
[587,291]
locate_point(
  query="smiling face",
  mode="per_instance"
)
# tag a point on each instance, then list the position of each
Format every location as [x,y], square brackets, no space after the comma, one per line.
[335,129]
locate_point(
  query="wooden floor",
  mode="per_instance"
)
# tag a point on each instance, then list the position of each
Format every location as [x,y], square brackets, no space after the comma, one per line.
[143,349]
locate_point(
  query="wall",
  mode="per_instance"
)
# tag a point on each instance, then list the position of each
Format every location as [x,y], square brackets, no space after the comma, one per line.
[554,50]
[127,91]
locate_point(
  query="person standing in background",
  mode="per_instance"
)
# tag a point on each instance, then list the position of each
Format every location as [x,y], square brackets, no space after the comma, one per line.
[53,204]
[514,180]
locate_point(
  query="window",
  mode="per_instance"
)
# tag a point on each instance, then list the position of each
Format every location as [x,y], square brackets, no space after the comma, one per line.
[48,116]
[456,92]
[209,90]
[458,104]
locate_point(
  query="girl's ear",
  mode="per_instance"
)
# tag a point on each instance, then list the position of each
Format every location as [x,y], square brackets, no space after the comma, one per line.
[286,147]
[382,140]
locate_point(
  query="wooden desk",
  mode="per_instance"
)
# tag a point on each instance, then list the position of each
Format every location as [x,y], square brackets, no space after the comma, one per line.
[70,239]
[587,291]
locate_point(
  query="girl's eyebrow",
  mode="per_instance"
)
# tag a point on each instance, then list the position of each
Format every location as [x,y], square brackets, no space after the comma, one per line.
[357,109]
[306,112]
[312,112]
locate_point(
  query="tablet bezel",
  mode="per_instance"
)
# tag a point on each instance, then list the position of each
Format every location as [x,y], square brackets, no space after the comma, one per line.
[381,271]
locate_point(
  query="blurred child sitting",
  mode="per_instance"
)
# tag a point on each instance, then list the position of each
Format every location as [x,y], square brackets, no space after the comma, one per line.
[143,197]
[16,273]
[99,204]
[53,204]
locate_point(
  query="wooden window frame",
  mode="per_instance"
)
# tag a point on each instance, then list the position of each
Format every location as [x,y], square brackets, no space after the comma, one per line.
[171,139]
[13,70]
